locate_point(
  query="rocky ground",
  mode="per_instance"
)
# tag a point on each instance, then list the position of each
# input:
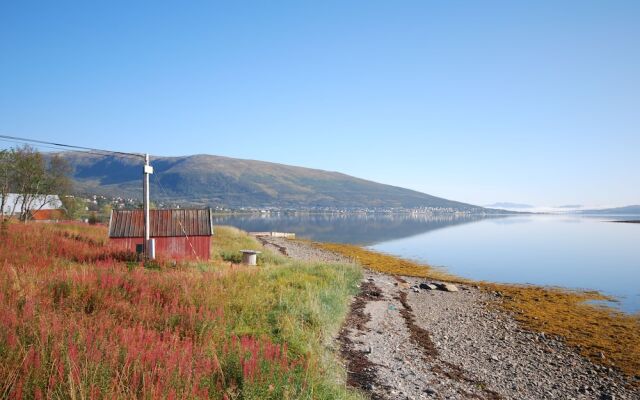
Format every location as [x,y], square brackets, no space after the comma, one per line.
[401,341]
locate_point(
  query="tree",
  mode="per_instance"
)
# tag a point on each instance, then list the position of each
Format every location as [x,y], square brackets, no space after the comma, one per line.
[73,206]
[152,205]
[58,171]
[105,212]
[6,177]
[35,180]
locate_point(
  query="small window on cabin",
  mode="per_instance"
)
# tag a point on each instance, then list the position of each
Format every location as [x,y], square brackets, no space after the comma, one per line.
[139,248]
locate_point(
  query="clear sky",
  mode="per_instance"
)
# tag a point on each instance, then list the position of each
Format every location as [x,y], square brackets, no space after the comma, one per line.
[477,101]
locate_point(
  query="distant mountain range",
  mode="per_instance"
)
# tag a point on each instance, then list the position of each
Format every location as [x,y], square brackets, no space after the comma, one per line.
[215,180]
[627,210]
[566,209]
[571,206]
[507,205]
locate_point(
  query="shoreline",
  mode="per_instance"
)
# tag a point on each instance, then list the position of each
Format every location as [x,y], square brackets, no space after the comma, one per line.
[595,330]
[482,341]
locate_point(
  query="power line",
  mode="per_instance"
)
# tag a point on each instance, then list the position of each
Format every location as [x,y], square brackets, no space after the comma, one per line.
[88,150]
[57,146]
[43,146]
[38,146]
[147,171]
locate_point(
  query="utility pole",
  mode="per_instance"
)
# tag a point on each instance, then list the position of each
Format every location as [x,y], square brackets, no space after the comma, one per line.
[149,246]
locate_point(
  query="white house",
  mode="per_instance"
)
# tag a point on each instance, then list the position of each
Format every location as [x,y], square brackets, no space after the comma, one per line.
[13,204]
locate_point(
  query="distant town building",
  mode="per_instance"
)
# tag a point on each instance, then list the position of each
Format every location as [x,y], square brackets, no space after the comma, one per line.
[178,233]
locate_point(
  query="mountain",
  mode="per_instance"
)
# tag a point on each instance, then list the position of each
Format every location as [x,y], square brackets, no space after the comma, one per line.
[627,210]
[508,205]
[215,180]
[570,206]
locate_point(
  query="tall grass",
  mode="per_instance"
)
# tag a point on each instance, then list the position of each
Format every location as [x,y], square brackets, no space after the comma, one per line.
[79,321]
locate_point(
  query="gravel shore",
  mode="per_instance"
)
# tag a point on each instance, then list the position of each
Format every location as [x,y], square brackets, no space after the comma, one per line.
[401,341]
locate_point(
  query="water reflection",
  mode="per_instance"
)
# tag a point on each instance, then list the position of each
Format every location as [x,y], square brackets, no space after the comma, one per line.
[570,251]
[363,229]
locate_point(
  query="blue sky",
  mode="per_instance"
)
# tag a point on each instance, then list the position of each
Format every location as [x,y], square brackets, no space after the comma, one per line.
[474,101]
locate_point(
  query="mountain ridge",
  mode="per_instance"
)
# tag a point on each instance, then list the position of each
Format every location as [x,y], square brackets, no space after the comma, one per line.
[506,204]
[219,180]
[625,210]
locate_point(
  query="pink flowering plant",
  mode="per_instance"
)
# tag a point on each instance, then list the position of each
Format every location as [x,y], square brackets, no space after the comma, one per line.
[80,319]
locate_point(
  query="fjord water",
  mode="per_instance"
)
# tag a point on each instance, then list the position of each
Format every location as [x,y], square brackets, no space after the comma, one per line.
[574,252]
[571,252]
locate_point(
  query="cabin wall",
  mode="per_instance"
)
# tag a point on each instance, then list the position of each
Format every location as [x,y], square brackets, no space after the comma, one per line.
[172,247]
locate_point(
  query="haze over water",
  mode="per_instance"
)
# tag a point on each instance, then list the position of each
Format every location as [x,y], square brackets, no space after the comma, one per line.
[567,251]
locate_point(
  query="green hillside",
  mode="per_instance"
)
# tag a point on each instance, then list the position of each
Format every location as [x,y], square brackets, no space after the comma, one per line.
[215,180]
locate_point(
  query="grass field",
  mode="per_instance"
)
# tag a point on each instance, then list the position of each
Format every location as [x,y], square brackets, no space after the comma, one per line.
[80,321]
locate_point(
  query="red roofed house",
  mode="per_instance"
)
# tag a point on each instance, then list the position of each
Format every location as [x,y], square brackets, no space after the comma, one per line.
[48,215]
[178,233]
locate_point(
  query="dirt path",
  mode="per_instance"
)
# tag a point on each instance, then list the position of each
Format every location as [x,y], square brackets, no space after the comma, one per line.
[404,342]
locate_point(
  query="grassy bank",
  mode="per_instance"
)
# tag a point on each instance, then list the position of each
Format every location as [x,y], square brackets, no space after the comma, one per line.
[80,321]
[604,335]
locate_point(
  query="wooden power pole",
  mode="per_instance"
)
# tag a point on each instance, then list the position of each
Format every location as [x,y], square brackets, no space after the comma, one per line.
[149,245]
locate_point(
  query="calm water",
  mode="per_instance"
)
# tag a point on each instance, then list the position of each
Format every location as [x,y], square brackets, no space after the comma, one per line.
[568,251]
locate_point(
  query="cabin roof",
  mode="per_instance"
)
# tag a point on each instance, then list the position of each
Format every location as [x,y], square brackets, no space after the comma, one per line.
[47,215]
[164,223]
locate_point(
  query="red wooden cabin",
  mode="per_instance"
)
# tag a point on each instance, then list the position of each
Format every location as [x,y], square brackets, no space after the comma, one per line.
[178,233]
